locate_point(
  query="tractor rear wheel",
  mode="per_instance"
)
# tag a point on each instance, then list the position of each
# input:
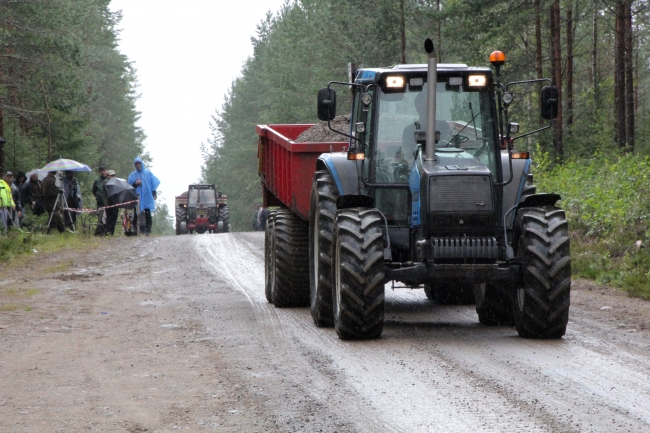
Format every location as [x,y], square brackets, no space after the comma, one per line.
[493,305]
[450,293]
[291,265]
[224,217]
[541,300]
[358,274]
[269,259]
[321,222]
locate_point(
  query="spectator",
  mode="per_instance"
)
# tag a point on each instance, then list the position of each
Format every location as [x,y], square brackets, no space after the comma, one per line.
[111,212]
[32,195]
[72,198]
[50,195]
[16,215]
[100,197]
[7,204]
[145,184]
[256,225]
[259,220]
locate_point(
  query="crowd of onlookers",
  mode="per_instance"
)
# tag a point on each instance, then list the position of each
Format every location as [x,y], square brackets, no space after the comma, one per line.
[59,195]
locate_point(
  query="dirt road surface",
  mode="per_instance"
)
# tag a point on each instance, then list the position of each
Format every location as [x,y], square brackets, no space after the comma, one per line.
[174,333]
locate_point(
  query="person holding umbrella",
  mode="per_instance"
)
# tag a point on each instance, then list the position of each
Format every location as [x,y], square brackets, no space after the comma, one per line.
[145,184]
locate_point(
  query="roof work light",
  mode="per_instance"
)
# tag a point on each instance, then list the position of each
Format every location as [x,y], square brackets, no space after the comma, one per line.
[395,82]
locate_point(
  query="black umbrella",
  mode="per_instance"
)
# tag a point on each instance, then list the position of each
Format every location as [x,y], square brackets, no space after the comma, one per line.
[119,191]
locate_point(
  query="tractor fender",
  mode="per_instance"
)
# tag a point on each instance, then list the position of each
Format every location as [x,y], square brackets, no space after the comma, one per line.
[512,192]
[343,171]
[537,200]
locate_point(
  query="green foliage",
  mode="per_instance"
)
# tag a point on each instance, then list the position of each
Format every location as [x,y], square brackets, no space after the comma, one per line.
[608,207]
[162,221]
[64,80]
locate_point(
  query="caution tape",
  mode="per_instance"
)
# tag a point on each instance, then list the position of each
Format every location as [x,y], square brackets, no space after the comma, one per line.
[70,209]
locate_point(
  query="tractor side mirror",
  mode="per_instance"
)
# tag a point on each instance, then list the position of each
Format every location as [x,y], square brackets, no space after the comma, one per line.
[326,104]
[549,102]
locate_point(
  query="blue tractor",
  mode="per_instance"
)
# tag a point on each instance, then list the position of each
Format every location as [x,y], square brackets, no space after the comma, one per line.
[432,194]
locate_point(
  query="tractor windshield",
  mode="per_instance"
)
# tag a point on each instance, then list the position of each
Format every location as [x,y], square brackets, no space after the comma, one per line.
[203,197]
[463,118]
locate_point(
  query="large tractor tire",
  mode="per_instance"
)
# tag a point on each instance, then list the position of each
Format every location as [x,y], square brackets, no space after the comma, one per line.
[321,222]
[541,300]
[493,304]
[450,293]
[269,259]
[224,218]
[358,274]
[290,245]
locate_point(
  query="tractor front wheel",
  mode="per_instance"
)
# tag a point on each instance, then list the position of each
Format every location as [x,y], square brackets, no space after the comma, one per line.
[358,274]
[541,300]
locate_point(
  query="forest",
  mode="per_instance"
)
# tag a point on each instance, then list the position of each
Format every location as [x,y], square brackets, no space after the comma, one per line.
[594,51]
[66,90]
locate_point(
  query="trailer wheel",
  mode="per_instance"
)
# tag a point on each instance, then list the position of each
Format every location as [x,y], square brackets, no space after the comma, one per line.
[269,262]
[450,293]
[321,222]
[224,217]
[493,305]
[291,261]
[358,274]
[541,300]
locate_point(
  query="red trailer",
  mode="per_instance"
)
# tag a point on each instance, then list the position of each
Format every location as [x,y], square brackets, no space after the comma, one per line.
[286,169]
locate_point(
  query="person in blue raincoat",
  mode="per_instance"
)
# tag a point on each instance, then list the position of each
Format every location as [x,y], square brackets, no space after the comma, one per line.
[145,184]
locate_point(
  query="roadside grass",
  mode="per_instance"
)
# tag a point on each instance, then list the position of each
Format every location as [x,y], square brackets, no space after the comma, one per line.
[17,244]
[607,201]
[21,292]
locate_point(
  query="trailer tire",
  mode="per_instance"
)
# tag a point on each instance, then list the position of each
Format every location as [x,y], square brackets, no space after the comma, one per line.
[541,300]
[493,305]
[269,262]
[322,210]
[450,293]
[224,217]
[358,274]
[291,261]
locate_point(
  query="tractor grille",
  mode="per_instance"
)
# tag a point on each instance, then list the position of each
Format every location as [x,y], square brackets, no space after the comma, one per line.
[460,194]
[464,248]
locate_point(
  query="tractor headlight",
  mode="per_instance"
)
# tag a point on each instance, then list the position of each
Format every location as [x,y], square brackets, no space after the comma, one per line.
[476,81]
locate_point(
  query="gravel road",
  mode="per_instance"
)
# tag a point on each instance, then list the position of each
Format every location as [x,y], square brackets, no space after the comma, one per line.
[174,333]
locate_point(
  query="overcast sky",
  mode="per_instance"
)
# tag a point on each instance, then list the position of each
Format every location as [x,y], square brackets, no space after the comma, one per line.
[187,53]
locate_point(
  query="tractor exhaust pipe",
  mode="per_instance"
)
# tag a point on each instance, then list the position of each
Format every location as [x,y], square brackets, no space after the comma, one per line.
[432,79]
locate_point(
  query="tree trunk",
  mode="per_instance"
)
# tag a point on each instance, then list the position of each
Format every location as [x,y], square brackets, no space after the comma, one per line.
[402,31]
[439,47]
[2,134]
[594,55]
[538,41]
[629,80]
[619,74]
[569,66]
[556,74]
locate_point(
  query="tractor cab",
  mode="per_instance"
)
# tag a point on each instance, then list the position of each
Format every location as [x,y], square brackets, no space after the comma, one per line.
[202,208]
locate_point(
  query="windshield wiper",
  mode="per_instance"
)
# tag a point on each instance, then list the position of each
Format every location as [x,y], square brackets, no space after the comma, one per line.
[474,116]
